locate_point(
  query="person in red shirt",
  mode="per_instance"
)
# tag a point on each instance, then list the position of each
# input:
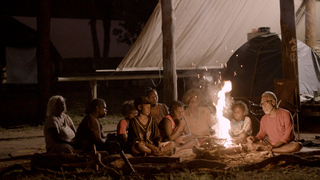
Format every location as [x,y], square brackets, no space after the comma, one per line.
[129,111]
[277,125]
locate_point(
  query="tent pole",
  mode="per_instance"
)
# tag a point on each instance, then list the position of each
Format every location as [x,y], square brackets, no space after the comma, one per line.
[169,56]
[289,46]
[254,73]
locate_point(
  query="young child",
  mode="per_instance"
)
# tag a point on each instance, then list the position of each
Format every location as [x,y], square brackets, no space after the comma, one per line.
[240,124]
[143,135]
[128,111]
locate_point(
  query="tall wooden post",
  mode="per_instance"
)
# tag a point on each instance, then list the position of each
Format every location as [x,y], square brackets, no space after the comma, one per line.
[310,22]
[43,58]
[169,56]
[289,48]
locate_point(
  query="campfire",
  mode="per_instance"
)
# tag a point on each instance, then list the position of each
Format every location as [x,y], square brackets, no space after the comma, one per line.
[220,142]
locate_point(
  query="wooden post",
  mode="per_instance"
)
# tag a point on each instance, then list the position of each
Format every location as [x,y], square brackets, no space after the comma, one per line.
[93,87]
[169,56]
[289,47]
[310,23]
[43,58]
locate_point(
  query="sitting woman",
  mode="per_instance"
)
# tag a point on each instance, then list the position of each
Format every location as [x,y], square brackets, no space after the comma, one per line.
[158,110]
[129,111]
[175,128]
[199,118]
[59,130]
[240,123]
[89,132]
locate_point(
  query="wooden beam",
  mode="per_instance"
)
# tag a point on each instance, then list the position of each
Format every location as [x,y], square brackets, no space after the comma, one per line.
[310,22]
[169,56]
[43,58]
[289,44]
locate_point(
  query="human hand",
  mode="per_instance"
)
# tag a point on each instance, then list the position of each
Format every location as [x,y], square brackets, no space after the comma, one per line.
[179,140]
[155,150]
[250,139]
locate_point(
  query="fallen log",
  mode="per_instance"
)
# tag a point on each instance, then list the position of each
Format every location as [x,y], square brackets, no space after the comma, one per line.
[153,159]
[293,159]
[196,164]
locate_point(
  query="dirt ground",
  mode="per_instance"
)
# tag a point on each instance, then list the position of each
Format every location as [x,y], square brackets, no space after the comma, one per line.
[32,137]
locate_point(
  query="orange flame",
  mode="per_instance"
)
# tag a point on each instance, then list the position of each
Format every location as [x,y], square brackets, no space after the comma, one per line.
[222,126]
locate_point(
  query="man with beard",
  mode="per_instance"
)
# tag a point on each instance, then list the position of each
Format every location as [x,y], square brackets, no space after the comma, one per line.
[277,125]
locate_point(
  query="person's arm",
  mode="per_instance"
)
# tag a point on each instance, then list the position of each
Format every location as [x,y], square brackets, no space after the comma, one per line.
[54,132]
[168,130]
[96,132]
[288,125]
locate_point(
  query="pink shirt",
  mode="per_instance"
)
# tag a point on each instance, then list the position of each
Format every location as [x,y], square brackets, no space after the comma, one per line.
[279,128]
[122,127]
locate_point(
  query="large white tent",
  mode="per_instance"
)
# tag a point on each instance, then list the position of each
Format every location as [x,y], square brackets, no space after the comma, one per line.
[207,32]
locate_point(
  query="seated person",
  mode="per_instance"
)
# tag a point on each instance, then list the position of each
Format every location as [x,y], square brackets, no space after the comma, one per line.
[240,123]
[158,110]
[175,128]
[198,117]
[129,111]
[277,124]
[143,135]
[90,132]
[59,130]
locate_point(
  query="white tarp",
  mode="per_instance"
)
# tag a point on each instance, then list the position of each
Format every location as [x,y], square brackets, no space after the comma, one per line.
[207,32]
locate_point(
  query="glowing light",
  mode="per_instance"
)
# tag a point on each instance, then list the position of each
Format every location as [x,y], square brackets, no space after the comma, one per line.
[237,55]
[222,126]
[241,65]
[198,75]
[232,50]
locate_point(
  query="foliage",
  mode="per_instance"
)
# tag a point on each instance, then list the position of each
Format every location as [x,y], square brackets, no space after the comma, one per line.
[135,13]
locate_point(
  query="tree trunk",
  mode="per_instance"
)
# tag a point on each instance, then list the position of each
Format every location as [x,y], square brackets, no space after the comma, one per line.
[106,42]
[169,56]
[310,22]
[95,42]
[43,58]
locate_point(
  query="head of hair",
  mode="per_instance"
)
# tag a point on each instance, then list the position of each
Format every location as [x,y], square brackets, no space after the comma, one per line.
[190,94]
[175,104]
[141,100]
[93,104]
[51,106]
[241,105]
[127,107]
[150,90]
[272,96]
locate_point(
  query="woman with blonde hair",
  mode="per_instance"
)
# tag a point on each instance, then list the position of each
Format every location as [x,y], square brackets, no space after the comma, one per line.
[199,118]
[59,130]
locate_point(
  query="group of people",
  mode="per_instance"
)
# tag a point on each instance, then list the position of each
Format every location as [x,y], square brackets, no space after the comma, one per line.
[152,128]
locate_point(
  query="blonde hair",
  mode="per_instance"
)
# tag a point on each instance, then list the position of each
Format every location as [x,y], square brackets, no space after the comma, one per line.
[190,94]
[51,106]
